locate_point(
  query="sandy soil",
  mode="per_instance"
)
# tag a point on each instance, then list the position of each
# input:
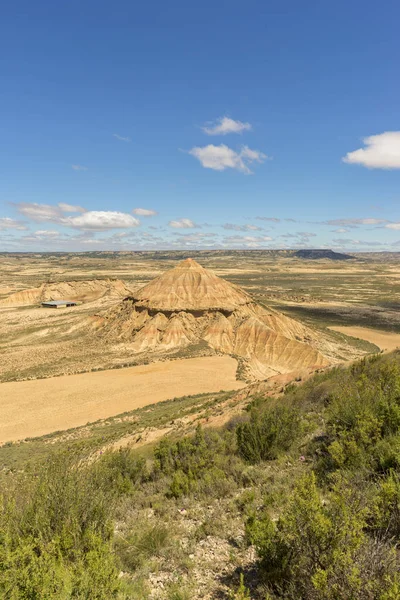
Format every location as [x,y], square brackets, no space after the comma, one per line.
[383,339]
[34,408]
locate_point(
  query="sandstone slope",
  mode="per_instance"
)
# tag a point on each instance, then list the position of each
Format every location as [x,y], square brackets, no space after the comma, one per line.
[189,304]
[83,291]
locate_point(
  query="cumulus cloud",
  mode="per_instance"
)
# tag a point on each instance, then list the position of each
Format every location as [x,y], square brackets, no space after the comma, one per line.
[225,125]
[79,168]
[183,224]
[380,152]
[121,138]
[234,227]
[395,226]
[144,212]
[46,212]
[39,212]
[88,220]
[99,220]
[222,157]
[7,223]
[70,208]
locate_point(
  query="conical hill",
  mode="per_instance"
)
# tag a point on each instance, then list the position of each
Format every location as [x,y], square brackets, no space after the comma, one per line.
[190,306]
[189,286]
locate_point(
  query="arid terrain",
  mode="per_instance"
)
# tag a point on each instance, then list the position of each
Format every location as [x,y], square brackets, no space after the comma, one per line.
[35,408]
[157,383]
[321,312]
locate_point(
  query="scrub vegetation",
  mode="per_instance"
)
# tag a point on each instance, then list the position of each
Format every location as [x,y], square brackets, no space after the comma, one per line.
[296,498]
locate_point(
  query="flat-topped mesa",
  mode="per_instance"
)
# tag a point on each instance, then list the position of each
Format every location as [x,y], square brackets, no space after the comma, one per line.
[191,287]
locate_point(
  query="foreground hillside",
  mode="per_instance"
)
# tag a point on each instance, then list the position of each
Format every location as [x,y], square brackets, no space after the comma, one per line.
[297,498]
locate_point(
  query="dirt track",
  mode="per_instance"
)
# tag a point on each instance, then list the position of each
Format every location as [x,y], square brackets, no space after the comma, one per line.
[383,339]
[34,408]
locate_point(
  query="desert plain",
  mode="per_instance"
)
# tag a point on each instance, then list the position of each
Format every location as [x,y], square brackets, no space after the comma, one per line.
[59,371]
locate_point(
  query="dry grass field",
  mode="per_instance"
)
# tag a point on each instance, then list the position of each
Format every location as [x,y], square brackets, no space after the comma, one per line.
[385,340]
[36,408]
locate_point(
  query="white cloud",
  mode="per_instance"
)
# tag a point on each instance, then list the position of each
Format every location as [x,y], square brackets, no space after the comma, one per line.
[222,157]
[195,238]
[381,152]
[47,233]
[225,125]
[91,220]
[354,222]
[121,138]
[340,230]
[350,242]
[144,212]
[7,223]
[99,220]
[47,212]
[273,219]
[395,226]
[346,241]
[306,234]
[79,168]
[301,236]
[246,240]
[39,212]
[183,224]
[70,208]
[234,227]
[198,235]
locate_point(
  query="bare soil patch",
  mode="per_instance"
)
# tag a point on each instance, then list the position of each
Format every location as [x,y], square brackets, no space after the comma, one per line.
[39,407]
[383,339]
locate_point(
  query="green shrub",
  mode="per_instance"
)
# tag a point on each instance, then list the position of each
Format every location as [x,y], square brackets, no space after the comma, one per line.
[55,535]
[268,432]
[319,550]
[203,463]
[123,471]
[144,541]
[363,419]
[386,509]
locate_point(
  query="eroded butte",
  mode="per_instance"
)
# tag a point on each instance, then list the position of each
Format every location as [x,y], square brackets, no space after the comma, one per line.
[190,305]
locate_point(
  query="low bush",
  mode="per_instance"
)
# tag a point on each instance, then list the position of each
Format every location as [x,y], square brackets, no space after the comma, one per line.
[202,464]
[363,420]
[56,535]
[143,540]
[268,432]
[318,549]
[123,471]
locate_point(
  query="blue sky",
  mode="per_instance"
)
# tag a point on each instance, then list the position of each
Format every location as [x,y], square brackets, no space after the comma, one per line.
[264,124]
